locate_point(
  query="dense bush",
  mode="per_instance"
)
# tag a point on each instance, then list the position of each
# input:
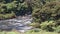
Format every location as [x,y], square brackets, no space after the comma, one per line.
[7,16]
[47,12]
[18,7]
[50,11]
[48,25]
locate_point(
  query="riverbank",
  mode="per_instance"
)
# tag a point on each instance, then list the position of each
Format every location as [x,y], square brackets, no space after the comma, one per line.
[11,16]
[40,32]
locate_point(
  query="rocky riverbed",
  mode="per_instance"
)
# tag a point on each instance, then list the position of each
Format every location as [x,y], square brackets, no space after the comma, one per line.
[21,23]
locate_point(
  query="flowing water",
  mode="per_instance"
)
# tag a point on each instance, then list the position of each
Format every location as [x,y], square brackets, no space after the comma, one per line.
[21,23]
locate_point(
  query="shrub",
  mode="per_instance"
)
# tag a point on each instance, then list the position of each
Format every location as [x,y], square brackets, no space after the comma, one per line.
[49,11]
[48,26]
[35,25]
[57,29]
[6,16]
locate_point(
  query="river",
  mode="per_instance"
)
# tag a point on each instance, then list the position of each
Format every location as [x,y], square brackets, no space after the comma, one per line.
[20,23]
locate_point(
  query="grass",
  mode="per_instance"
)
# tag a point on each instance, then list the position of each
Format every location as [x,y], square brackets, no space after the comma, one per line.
[41,32]
[11,32]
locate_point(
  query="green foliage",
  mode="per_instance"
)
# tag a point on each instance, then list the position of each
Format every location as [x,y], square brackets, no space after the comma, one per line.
[48,15]
[57,29]
[9,6]
[41,32]
[35,25]
[45,13]
[48,25]
[6,16]
[49,11]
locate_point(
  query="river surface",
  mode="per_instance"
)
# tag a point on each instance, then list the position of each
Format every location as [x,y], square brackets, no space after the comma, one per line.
[21,23]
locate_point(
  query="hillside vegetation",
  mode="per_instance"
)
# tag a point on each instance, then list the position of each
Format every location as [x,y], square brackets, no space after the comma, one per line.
[45,13]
